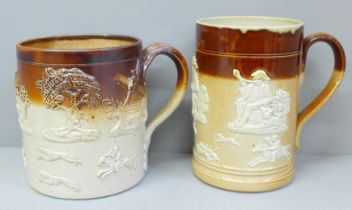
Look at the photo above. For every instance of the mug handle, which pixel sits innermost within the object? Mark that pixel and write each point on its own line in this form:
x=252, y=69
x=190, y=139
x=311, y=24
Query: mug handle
x=334, y=82
x=148, y=55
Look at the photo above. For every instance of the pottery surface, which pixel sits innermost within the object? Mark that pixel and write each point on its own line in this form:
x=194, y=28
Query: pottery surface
x=82, y=107
x=247, y=72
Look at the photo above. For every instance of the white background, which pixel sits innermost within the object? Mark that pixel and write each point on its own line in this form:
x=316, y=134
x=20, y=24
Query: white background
x=174, y=22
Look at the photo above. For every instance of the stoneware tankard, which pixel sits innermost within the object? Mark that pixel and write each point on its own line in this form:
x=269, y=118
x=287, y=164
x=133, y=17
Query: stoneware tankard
x=247, y=73
x=81, y=102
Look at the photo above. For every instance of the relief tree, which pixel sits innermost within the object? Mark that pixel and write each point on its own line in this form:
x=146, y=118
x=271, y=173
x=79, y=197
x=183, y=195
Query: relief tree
x=22, y=106
x=69, y=90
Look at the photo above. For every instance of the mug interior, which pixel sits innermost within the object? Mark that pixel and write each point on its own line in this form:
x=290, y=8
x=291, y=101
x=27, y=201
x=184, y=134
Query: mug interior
x=79, y=42
x=245, y=23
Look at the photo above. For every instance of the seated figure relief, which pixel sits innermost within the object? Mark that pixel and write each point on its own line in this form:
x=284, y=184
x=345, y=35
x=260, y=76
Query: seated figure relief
x=259, y=110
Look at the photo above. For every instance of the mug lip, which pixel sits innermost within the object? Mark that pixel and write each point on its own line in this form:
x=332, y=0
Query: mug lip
x=22, y=45
x=118, y=53
x=296, y=24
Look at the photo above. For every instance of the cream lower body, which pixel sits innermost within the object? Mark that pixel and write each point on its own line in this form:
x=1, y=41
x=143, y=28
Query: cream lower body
x=88, y=160
x=237, y=158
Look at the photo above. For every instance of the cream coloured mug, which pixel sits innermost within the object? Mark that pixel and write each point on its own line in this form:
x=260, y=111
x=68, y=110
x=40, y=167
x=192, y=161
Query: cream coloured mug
x=247, y=73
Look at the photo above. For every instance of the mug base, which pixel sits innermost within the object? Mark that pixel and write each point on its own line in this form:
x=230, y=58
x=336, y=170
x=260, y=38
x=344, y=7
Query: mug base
x=92, y=194
x=233, y=183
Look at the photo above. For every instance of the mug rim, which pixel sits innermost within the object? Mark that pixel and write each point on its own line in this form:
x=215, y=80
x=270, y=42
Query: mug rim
x=295, y=23
x=24, y=44
x=118, y=53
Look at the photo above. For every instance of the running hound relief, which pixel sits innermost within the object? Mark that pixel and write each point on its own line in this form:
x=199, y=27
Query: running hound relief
x=52, y=180
x=200, y=98
x=259, y=110
x=47, y=155
x=219, y=138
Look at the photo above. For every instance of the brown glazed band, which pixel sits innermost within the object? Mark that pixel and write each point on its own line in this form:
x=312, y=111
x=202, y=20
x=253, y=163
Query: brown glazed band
x=222, y=48
x=219, y=65
x=227, y=40
x=224, y=54
x=106, y=63
x=26, y=53
x=114, y=61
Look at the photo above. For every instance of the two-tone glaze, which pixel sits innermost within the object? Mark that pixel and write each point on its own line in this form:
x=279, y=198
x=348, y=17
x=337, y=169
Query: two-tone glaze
x=251, y=70
x=82, y=109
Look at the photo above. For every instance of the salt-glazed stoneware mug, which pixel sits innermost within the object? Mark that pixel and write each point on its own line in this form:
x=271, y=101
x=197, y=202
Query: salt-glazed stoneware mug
x=81, y=102
x=247, y=73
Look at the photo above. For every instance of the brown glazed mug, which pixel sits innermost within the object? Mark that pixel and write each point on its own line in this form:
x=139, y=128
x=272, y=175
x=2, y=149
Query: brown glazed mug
x=81, y=102
x=247, y=73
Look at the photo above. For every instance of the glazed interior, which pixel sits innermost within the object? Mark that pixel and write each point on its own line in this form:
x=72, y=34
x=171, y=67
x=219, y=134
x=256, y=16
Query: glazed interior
x=79, y=49
x=69, y=43
x=251, y=22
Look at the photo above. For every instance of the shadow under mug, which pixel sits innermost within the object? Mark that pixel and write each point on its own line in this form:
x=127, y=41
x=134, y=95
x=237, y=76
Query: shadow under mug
x=247, y=73
x=81, y=102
